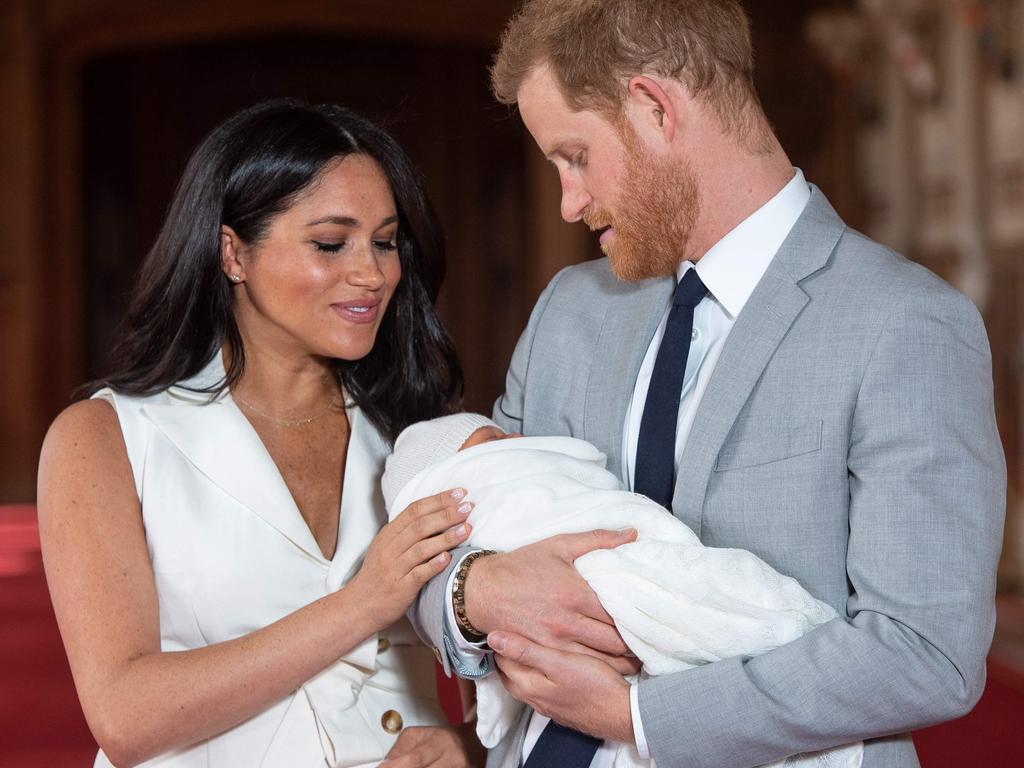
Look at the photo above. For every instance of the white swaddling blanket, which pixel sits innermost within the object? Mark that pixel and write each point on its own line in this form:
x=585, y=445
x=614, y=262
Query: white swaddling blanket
x=676, y=603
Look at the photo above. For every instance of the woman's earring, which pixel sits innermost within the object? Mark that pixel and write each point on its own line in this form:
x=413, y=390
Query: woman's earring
x=236, y=279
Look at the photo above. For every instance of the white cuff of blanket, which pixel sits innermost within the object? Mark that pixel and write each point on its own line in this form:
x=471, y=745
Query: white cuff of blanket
x=462, y=645
x=638, y=726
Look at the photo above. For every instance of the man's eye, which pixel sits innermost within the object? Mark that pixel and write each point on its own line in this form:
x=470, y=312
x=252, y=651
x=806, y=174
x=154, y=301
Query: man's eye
x=328, y=247
x=579, y=160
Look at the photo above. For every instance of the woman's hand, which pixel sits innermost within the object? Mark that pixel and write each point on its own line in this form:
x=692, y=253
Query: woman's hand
x=139, y=701
x=408, y=552
x=437, y=747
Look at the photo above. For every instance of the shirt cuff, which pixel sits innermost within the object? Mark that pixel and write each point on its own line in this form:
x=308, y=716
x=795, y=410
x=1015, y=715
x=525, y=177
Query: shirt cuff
x=468, y=658
x=638, y=726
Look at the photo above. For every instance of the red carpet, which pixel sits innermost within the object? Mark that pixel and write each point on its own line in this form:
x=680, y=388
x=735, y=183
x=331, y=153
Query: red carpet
x=41, y=724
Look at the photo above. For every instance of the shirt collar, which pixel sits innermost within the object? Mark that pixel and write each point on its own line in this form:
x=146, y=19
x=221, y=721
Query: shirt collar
x=734, y=266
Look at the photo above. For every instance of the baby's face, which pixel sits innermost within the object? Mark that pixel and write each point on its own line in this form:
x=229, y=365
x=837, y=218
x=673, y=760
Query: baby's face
x=486, y=435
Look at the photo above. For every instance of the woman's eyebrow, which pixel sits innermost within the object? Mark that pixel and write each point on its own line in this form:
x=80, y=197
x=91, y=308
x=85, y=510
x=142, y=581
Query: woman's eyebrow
x=346, y=221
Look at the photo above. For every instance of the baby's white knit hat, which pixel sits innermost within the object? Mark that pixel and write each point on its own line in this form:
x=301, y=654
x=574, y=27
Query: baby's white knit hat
x=426, y=443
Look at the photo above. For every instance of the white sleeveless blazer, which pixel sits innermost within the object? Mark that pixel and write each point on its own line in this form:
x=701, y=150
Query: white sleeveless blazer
x=231, y=554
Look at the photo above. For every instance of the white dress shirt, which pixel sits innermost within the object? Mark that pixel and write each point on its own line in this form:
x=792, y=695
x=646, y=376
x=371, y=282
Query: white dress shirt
x=731, y=270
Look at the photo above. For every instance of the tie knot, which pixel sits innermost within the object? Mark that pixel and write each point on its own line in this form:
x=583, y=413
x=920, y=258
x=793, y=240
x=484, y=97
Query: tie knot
x=690, y=290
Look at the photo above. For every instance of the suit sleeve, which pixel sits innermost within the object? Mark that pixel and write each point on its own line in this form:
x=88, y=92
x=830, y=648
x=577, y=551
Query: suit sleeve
x=428, y=611
x=510, y=408
x=927, y=483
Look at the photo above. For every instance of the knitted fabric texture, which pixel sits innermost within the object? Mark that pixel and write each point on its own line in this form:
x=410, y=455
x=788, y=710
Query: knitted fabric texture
x=424, y=444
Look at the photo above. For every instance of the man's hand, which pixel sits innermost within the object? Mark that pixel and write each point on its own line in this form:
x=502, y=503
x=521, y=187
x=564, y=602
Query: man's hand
x=536, y=592
x=573, y=689
x=438, y=747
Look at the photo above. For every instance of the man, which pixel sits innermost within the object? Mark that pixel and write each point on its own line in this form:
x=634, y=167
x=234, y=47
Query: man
x=783, y=384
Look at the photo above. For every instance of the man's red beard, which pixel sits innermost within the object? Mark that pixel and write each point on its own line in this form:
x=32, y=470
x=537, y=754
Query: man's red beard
x=654, y=215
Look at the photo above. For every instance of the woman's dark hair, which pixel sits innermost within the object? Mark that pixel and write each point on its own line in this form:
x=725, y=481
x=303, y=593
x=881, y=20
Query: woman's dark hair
x=245, y=172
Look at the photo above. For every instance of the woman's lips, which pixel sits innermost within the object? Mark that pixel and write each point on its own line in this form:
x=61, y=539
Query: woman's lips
x=357, y=311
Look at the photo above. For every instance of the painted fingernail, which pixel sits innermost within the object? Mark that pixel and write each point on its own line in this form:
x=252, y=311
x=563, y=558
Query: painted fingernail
x=465, y=508
x=497, y=641
x=460, y=531
x=442, y=558
x=458, y=493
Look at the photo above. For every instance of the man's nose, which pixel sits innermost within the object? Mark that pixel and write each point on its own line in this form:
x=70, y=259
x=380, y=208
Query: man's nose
x=575, y=201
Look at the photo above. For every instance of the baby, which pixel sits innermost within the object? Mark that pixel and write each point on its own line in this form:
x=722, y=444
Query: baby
x=676, y=603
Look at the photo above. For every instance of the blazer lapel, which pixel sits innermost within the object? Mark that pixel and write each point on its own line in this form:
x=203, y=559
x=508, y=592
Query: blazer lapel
x=630, y=322
x=768, y=315
x=362, y=504
x=220, y=443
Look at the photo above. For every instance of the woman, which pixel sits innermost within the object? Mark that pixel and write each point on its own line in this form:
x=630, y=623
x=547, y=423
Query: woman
x=208, y=518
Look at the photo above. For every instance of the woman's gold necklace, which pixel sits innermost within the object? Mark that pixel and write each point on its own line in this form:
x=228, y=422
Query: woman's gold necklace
x=290, y=423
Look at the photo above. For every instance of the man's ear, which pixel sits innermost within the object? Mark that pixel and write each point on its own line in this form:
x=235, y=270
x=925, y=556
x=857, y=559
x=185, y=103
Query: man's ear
x=231, y=254
x=653, y=107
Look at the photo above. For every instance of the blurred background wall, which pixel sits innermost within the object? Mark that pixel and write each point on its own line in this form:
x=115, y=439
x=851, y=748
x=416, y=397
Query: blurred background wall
x=908, y=113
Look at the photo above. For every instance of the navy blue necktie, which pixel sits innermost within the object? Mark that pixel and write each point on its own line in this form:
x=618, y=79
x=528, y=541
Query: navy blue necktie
x=558, y=746
x=654, y=475
x=561, y=747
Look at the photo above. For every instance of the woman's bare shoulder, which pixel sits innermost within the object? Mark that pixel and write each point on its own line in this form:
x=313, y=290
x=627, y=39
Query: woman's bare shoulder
x=84, y=455
x=85, y=424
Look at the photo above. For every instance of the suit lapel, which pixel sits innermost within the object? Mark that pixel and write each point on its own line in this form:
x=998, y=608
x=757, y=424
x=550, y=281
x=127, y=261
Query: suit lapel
x=761, y=326
x=220, y=444
x=630, y=322
x=362, y=505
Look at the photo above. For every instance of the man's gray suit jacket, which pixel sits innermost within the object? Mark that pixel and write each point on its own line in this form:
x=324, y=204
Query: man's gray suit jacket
x=847, y=437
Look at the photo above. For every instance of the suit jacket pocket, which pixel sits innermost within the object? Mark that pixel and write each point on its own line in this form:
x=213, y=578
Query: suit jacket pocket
x=757, y=441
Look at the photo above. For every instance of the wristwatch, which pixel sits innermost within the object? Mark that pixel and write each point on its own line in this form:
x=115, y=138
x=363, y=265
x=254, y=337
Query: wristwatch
x=470, y=632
